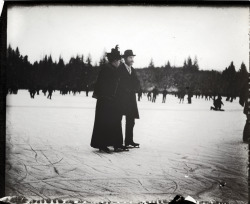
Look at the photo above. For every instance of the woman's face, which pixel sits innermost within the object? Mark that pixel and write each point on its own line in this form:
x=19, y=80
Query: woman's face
x=116, y=63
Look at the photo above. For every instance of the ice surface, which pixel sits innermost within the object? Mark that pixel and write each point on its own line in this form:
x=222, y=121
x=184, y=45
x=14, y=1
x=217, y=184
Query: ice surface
x=185, y=149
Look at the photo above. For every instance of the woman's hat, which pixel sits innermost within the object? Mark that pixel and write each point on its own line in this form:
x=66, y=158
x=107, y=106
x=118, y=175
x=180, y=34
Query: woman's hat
x=114, y=54
x=128, y=53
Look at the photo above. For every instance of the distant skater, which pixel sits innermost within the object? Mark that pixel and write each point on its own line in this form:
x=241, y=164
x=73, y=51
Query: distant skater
x=32, y=92
x=87, y=90
x=139, y=94
x=206, y=97
x=190, y=95
x=164, y=95
x=44, y=91
x=217, y=104
x=155, y=93
x=181, y=96
x=50, y=90
x=149, y=96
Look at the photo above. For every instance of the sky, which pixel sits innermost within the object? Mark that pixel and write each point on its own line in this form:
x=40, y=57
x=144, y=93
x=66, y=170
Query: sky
x=1, y=5
x=215, y=35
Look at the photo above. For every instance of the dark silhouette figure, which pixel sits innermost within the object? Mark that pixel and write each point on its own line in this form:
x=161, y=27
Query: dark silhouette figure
x=230, y=97
x=246, y=131
x=50, y=91
x=206, y=97
x=244, y=97
x=149, y=96
x=44, y=90
x=210, y=96
x=87, y=90
x=190, y=95
x=139, y=94
x=32, y=92
x=64, y=90
x=37, y=90
x=217, y=104
x=155, y=93
x=182, y=94
x=164, y=95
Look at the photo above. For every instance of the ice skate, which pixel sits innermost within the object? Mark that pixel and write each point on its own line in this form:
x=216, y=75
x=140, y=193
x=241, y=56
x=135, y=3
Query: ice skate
x=120, y=149
x=132, y=145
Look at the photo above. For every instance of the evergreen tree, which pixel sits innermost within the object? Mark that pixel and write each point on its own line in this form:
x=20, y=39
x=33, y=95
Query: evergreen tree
x=151, y=64
x=185, y=64
x=168, y=65
x=243, y=69
x=89, y=60
x=189, y=62
x=195, y=65
x=17, y=52
x=103, y=60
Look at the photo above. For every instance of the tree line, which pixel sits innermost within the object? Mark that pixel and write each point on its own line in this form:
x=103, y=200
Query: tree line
x=79, y=75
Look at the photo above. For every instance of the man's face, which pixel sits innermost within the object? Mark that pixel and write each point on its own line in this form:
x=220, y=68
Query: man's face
x=129, y=60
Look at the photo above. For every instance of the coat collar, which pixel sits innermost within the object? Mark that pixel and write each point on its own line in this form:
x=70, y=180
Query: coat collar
x=127, y=65
x=125, y=69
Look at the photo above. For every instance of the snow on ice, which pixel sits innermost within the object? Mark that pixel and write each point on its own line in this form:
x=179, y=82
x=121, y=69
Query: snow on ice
x=185, y=149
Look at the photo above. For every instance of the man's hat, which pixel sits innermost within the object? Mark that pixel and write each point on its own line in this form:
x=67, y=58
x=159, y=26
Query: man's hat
x=128, y=53
x=114, y=54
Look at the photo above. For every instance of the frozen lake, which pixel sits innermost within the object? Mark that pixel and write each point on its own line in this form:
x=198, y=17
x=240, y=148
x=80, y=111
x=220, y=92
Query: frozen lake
x=185, y=149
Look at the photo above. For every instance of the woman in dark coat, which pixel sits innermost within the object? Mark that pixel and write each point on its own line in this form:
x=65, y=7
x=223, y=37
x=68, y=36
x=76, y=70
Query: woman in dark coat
x=107, y=129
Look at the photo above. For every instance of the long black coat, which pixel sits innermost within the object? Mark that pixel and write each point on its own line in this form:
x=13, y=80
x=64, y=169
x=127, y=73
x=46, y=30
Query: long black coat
x=126, y=92
x=107, y=129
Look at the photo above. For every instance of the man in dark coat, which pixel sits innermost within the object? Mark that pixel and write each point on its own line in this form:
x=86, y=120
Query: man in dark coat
x=107, y=130
x=127, y=88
